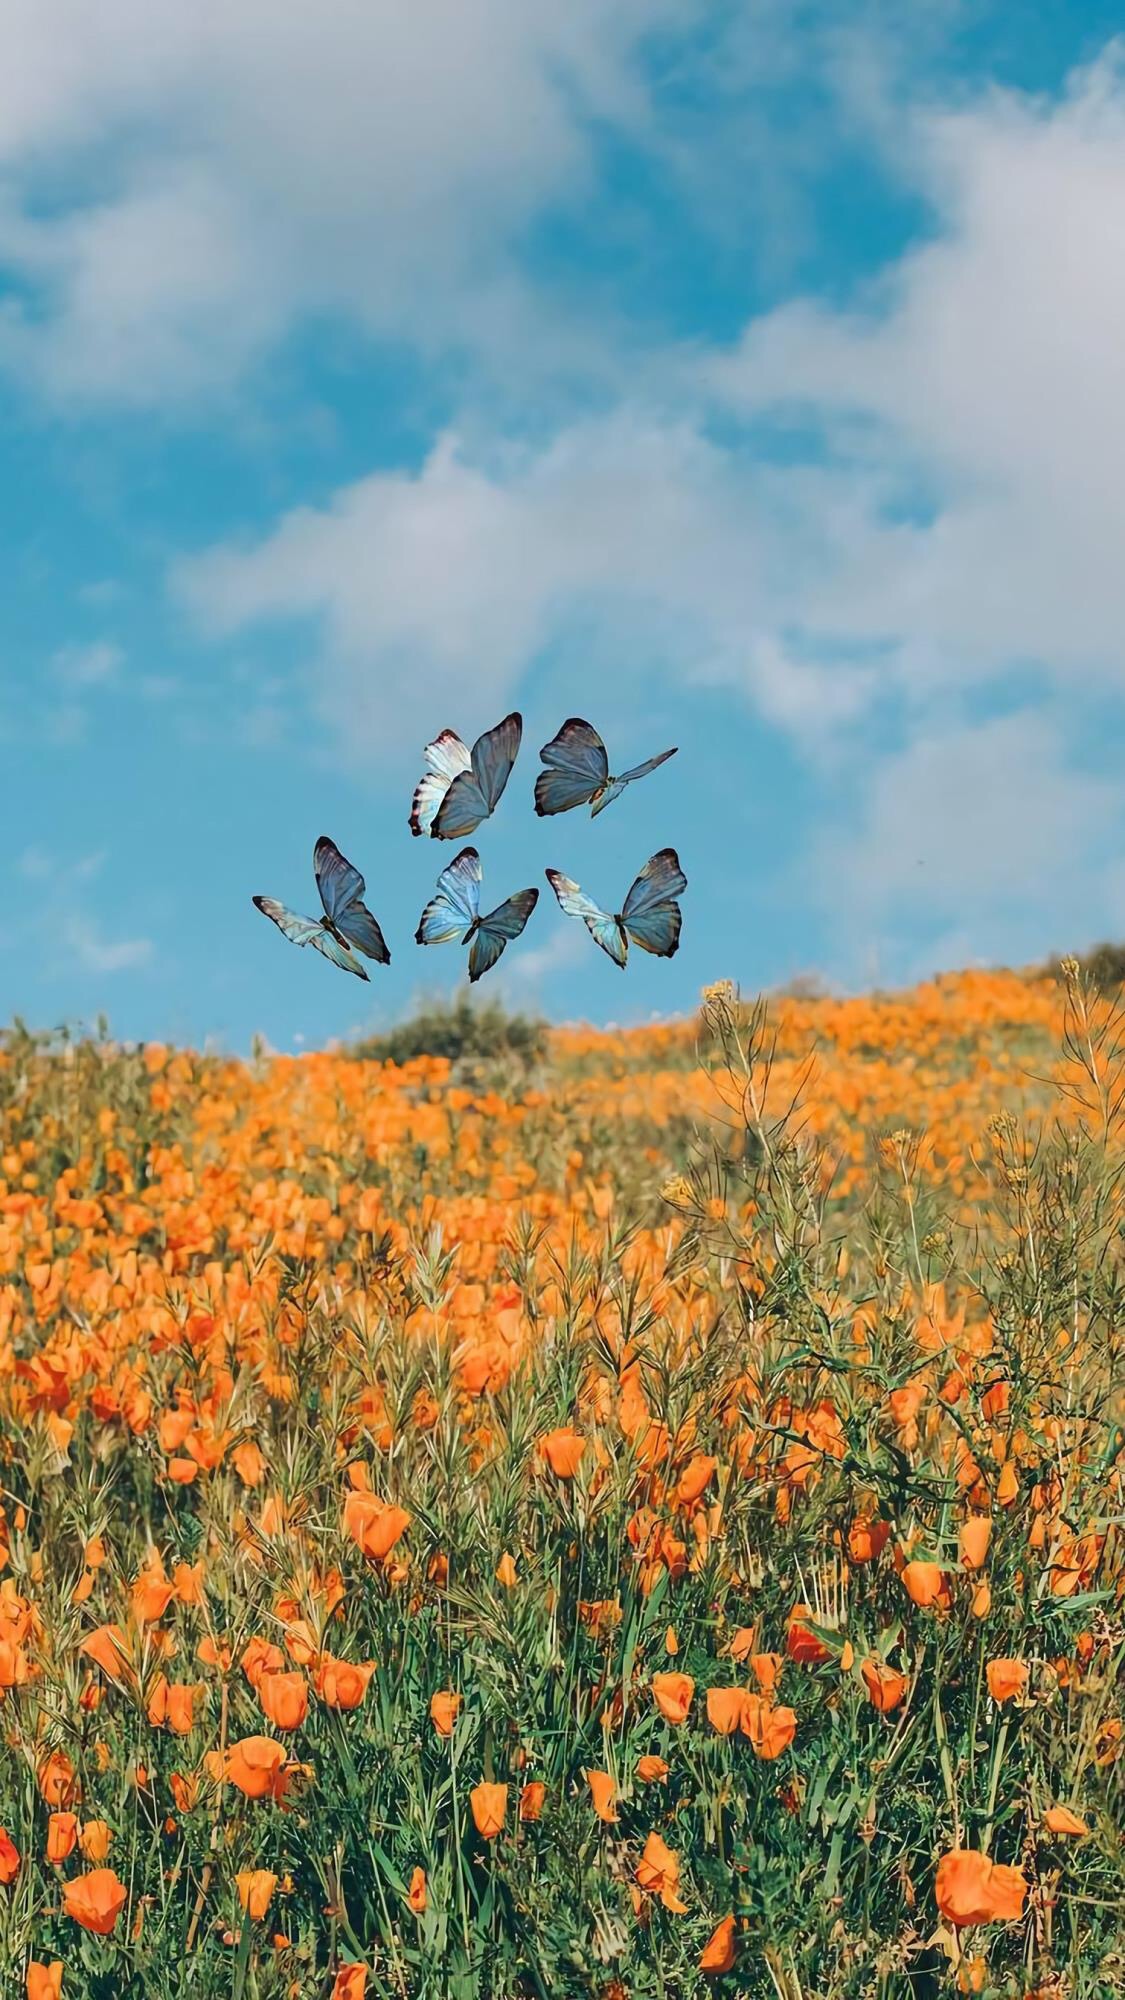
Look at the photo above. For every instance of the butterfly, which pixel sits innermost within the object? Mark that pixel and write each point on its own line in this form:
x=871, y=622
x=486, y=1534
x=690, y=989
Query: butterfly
x=461, y=787
x=346, y=920
x=650, y=915
x=455, y=913
x=577, y=772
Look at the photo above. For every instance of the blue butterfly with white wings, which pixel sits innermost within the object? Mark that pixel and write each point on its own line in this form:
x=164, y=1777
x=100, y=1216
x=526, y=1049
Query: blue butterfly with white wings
x=346, y=921
x=650, y=914
x=455, y=913
x=462, y=787
x=577, y=772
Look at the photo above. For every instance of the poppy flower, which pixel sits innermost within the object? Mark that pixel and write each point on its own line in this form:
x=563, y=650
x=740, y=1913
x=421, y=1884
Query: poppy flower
x=284, y=1699
x=926, y=1585
x=350, y=1983
x=343, y=1683
x=185, y=1791
x=172, y=1704
x=62, y=1834
x=506, y=1575
x=44, y=1982
x=651, y=1770
x=255, y=1891
x=489, y=1805
x=718, y=1952
x=94, y=1838
x=695, y=1479
x=416, y=1896
x=971, y=1889
x=9, y=1858
x=1006, y=1679
x=563, y=1450
x=261, y=1657
x=107, y=1646
x=771, y=1730
x=724, y=1709
x=801, y=1644
x=256, y=1765
x=57, y=1781
x=867, y=1539
x=603, y=1791
x=886, y=1689
x=95, y=1900
x=373, y=1525
x=445, y=1707
x=673, y=1694
x=1060, y=1820
x=658, y=1872
x=973, y=1540
x=531, y=1799
x=766, y=1669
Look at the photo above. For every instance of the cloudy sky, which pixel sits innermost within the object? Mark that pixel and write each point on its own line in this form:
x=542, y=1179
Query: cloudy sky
x=749, y=377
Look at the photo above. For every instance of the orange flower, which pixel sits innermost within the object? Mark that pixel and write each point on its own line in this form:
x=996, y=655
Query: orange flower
x=971, y=1889
x=973, y=1540
x=766, y=1669
x=94, y=1839
x=724, y=1709
x=416, y=1896
x=350, y=1983
x=673, y=1694
x=1006, y=1679
x=771, y=1730
x=718, y=1952
x=603, y=1791
x=256, y=1765
x=658, y=1872
x=255, y=1891
x=284, y=1699
x=343, y=1683
x=489, y=1807
x=926, y=1586
x=801, y=1644
x=185, y=1791
x=373, y=1525
x=506, y=1572
x=867, y=1539
x=152, y=1594
x=651, y=1770
x=9, y=1858
x=44, y=1982
x=171, y=1703
x=531, y=1799
x=95, y=1900
x=62, y=1833
x=445, y=1707
x=695, y=1479
x=261, y=1657
x=563, y=1451
x=57, y=1781
x=1060, y=1820
x=886, y=1689
x=107, y=1647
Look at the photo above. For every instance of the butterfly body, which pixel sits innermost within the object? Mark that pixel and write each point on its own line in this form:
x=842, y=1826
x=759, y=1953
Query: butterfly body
x=577, y=771
x=650, y=916
x=347, y=925
x=454, y=912
x=462, y=787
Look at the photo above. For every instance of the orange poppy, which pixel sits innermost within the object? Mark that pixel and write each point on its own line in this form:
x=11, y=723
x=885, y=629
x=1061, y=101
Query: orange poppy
x=603, y=1791
x=886, y=1689
x=373, y=1525
x=284, y=1699
x=343, y=1683
x=1007, y=1679
x=801, y=1644
x=445, y=1707
x=350, y=1983
x=57, y=1781
x=489, y=1805
x=563, y=1450
x=94, y=1839
x=255, y=1890
x=673, y=1694
x=107, y=1646
x=971, y=1889
x=724, y=1709
x=62, y=1834
x=926, y=1585
x=416, y=1896
x=973, y=1540
x=256, y=1766
x=9, y=1858
x=771, y=1730
x=44, y=1982
x=658, y=1872
x=1060, y=1820
x=95, y=1900
x=718, y=1952
x=531, y=1799
x=651, y=1770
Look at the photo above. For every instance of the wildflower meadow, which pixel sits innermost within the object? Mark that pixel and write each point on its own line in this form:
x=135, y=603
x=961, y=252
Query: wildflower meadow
x=626, y=1514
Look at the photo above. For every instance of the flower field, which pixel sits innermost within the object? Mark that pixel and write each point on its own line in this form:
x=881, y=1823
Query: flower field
x=645, y=1522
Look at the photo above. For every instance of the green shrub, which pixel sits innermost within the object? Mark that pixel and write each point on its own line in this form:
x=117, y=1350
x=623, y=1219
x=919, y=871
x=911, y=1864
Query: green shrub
x=464, y=1032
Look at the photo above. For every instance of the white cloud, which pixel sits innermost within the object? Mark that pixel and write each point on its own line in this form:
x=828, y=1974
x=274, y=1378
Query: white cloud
x=241, y=167
x=88, y=666
x=83, y=939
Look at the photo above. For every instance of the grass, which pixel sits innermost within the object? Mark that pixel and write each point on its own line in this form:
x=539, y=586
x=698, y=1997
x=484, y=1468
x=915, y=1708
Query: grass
x=727, y=1416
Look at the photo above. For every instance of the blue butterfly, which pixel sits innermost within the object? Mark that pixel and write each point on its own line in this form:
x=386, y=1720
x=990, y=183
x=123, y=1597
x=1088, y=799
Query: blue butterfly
x=650, y=915
x=577, y=772
x=455, y=913
x=461, y=787
x=346, y=920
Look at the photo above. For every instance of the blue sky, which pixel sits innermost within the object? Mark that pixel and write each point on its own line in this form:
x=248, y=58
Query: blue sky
x=746, y=377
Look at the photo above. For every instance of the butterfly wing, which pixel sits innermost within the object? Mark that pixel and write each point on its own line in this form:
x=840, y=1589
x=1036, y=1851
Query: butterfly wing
x=576, y=768
x=476, y=793
x=651, y=914
x=642, y=770
x=339, y=883
x=604, y=929
x=455, y=907
x=499, y=929
x=309, y=930
x=446, y=758
x=357, y=924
